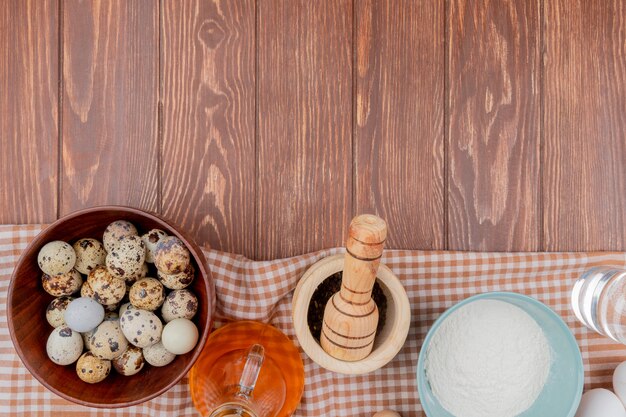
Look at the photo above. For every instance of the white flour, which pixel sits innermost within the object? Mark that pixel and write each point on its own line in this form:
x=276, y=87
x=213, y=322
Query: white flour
x=489, y=358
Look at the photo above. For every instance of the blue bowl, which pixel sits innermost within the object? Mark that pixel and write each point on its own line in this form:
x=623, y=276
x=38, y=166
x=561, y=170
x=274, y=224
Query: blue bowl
x=564, y=387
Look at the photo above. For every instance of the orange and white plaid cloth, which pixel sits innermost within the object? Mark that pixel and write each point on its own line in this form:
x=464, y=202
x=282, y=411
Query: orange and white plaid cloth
x=262, y=291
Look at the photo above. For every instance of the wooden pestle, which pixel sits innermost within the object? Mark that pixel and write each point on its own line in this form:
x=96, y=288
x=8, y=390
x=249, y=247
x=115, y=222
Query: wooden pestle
x=351, y=316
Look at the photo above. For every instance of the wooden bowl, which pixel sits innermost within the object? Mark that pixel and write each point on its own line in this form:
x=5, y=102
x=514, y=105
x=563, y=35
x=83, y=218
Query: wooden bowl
x=27, y=302
x=388, y=341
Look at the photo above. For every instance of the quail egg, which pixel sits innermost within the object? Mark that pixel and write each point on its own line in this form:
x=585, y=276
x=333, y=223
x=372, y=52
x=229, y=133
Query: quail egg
x=180, y=336
x=127, y=259
x=112, y=308
x=89, y=254
x=56, y=258
x=142, y=328
x=111, y=316
x=86, y=290
x=115, y=231
x=157, y=355
x=131, y=279
x=171, y=255
x=64, y=345
x=64, y=284
x=151, y=239
x=142, y=273
x=87, y=338
x=124, y=307
x=84, y=314
x=179, y=304
x=108, y=341
x=147, y=294
x=178, y=281
x=106, y=288
x=92, y=369
x=56, y=309
x=130, y=362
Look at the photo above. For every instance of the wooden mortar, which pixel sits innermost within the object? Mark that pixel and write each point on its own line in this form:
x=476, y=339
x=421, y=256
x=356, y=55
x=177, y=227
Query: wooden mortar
x=389, y=339
x=351, y=315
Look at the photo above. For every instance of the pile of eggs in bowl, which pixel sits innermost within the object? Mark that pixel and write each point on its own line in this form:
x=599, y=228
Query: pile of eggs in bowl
x=123, y=319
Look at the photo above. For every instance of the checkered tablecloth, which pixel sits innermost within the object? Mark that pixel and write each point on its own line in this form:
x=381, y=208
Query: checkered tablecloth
x=262, y=291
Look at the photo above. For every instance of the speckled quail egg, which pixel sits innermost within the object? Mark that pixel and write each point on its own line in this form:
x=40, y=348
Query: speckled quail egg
x=89, y=254
x=157, y=355
x=147, y=294
x=108, y=341
x=106, y=288
x=130, y=362
x=86, y=290
x=87, y=338
x=143, y=272
x=127, y=259
x=56, y=309
x=171, y=255
x=92, y=369
x=84, y=314
x=178, y=281
x=131, y=279
x=151, y=239
x=124, y=307
x=180, y=336
x=115, y=231
x=56, y=258
x=179, y=304
x=60, y=285
x=112, y=308
x=142, y=328
x=111, y=316
x=64, y=345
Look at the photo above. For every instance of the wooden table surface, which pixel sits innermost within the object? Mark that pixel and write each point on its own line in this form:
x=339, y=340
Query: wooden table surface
x=262, y=127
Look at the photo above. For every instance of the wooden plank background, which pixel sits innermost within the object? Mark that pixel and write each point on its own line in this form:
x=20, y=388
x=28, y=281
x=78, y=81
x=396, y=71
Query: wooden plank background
x=262, y=126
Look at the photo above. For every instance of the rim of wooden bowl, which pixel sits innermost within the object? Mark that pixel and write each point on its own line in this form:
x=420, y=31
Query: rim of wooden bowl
x=395, y=331
x=196, y=253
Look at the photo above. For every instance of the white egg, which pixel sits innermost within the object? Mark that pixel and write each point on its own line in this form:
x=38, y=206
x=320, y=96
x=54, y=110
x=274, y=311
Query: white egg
x=84, y=314
x=600, y=402
x=179, y=336
x=619, y=382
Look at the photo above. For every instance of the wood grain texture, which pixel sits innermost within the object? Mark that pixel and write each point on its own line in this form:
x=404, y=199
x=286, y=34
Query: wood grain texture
x=304, y=125
x=110, y=97
x=208, y=111
x=494, y=125
x=584, y=159
x=276, y=131
x=28, y=111
x=399, y=119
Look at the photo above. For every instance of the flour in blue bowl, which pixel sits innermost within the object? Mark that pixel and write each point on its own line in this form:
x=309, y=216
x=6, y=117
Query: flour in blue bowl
x=488, y=358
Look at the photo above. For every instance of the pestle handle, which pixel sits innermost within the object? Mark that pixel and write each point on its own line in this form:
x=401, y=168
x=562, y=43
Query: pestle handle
x=351, y=316
x=364, y=248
